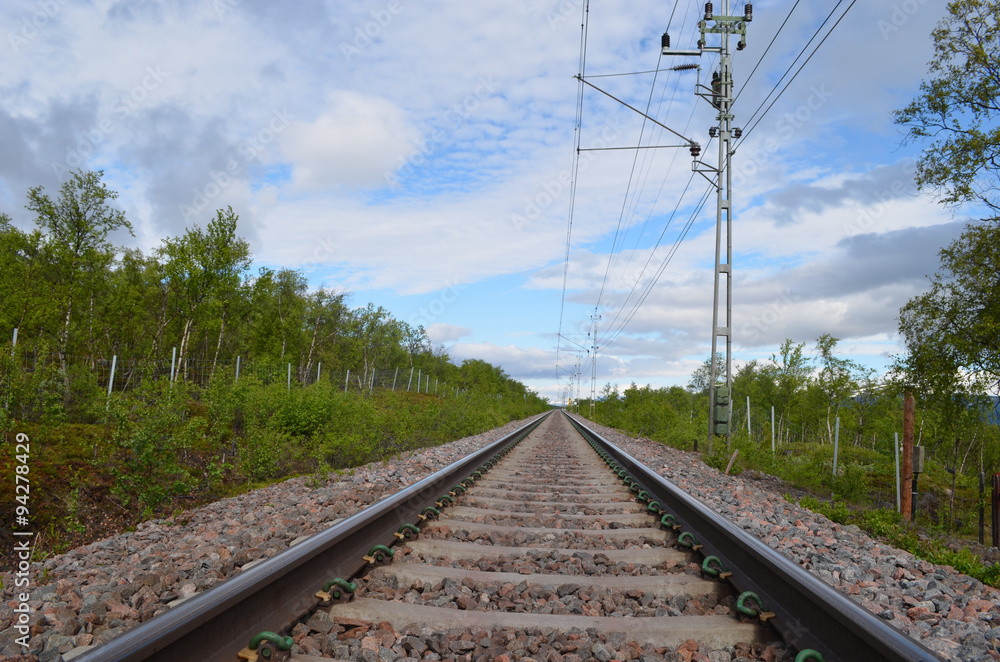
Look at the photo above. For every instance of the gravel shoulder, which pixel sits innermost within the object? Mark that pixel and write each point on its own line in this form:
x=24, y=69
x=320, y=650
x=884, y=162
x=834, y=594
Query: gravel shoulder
x=96, y=592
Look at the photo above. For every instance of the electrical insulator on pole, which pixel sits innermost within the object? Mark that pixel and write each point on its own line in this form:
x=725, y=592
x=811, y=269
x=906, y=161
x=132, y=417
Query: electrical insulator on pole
x=720, y=95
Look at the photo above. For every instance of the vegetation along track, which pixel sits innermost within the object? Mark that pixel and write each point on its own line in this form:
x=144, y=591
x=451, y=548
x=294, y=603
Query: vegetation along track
x=549, y=544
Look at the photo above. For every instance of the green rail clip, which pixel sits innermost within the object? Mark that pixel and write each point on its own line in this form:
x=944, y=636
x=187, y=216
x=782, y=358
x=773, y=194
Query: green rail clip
x=267, y=646
x=713, y=567
x=642, y=496
x=407, y=531
x=758, y=610
x=669, y=520
x=809, y=655
x=444, y=499
x=336, y=590
x=688, y=540
x=378, y=555
x=654, y=507
x=430, y=512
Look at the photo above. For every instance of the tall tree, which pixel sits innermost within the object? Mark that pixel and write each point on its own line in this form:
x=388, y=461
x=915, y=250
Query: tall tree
x=958, y=107
x=26, y=294
x=954, y=326
x=204, y=268
x=76, y=228
x=836, y=377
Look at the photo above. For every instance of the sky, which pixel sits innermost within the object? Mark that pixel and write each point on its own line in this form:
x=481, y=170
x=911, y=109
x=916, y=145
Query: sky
x=420, y=156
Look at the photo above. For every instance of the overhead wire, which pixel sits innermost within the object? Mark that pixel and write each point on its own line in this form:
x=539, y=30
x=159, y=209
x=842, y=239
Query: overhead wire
x=628, y=212
x=799, y=70
x=610, y=340
x=766, y=50
x=614, y=333
x=578, y=129
x=628, y=188
x=647, y=168
x=797, y=57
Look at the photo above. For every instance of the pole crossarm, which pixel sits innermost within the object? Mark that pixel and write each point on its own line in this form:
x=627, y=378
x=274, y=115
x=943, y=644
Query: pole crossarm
x=633, y=108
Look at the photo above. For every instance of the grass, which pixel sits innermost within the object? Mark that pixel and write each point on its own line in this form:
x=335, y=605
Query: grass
x=858, y=495
x=159, y=452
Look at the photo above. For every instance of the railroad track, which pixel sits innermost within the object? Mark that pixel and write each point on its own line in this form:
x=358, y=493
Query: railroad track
x=549, y=542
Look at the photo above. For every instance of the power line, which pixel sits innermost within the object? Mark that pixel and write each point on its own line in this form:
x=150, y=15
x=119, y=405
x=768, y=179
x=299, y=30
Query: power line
x=754, y=126
x=643, y=169
x=628, y=187
x=796, y=59
x=766, y=50
x=609, y=340
x=576, y=174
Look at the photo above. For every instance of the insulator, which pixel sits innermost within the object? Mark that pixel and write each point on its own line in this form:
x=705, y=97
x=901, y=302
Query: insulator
x=708, y=11
x=737, y=133
x=748, y=12
x=713, y=131
x=695, y=149
x=740, y=45
x=665, y=40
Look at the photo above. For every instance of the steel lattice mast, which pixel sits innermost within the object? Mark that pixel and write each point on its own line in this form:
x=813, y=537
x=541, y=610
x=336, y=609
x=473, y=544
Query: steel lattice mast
x=720, y=95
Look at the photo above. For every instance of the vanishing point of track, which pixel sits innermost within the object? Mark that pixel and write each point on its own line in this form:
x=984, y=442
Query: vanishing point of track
x=549, y=529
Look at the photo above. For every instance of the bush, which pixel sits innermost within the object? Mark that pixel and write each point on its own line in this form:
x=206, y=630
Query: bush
x=144, y=431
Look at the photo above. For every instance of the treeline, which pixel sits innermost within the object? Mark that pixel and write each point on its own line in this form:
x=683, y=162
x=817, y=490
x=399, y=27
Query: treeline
x=74, y=295
x=808, y=392
x=104, y=458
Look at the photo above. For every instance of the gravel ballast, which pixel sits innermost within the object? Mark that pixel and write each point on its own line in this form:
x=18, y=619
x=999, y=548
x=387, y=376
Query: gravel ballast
x=954, y=615
x=96, y=592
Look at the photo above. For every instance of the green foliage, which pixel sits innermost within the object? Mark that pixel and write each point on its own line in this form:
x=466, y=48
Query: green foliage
x=958, y=107
x=950, y=330
x=143, y=444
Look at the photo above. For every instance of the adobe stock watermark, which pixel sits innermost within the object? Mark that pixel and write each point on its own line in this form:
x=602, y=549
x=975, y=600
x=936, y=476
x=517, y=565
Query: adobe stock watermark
x=322, y=253
x=899, y=16
x=869, y=215
x=247, y=150
x=564, y=11
x=225, y=7
x=787, y=126
x=367, y=32
x=454, y=118
x=767, y=317
x=129, y=102
x=552, y=190
x=427, y=315
x=31, y=25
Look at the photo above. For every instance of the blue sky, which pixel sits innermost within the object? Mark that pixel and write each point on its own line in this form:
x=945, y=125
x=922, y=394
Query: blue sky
x=418, y=154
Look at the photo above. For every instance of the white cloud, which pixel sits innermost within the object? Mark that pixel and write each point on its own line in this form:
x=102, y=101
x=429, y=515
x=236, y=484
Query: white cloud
x=357, y=142
x=439, y=333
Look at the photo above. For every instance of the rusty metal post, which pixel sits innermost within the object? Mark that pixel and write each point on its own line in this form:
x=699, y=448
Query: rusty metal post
x=907, y=471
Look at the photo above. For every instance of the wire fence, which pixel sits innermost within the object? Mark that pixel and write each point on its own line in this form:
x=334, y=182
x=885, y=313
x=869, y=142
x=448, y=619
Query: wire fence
x=35, y=384
x=859, y=468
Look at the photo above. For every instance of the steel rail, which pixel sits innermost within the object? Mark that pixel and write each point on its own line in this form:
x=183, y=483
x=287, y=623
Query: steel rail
x=809, y=613
x=273, y=595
